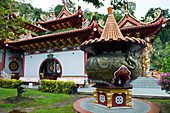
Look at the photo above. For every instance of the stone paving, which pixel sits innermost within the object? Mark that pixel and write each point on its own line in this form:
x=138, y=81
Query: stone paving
x=142, y=87
x=96, y=108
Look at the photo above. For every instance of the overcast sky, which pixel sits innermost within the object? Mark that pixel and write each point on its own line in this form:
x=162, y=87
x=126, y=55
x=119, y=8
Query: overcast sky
x=142, y=6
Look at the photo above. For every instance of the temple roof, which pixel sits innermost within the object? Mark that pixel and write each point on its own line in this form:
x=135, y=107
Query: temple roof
x=77, y=35
x=111, y=33
x=65, y=20
x=64, y=13
x=33, y=28
x=26, y=26
x=130, y=26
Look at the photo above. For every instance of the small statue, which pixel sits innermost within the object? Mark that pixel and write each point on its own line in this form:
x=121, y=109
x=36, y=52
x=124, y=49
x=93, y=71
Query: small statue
x=20, y=90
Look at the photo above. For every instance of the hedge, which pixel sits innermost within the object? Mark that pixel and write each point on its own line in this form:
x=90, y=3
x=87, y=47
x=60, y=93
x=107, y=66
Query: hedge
x=9, y=83
x=55, y=86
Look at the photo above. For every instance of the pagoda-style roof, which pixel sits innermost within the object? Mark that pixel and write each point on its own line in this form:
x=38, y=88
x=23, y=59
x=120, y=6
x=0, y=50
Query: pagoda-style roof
x=130, y=26
x=64, y=21
x=56, y=40
x=33, y=28
x=64, y=12
x=111, y=39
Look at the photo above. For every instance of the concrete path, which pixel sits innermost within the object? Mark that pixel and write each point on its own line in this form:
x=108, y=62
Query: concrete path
x=136, y=92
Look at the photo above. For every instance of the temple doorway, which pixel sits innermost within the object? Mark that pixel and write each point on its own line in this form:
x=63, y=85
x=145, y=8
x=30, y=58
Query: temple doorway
x=51, y=69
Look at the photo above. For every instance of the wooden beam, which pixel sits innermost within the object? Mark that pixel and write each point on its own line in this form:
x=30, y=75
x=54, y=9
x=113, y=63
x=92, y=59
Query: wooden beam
x=69, y=24
x=71, y=41
x=79, y=40
x=54, y=27
x=39, y=46
x=58, y=25
x=63, y=24
x=57, y=43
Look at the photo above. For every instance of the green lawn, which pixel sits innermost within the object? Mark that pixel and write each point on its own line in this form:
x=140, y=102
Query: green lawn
x=163, y=104
x=44, y=100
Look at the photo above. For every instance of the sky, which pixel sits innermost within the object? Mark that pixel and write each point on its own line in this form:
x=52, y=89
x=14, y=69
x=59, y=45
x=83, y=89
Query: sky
x=142, y=6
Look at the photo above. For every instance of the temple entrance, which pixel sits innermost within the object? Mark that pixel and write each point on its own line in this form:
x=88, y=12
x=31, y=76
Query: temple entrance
x=51, y=69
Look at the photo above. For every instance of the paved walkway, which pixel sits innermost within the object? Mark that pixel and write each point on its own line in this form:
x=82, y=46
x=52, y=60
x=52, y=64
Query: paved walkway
x=86, y=105
x=143, y=87
x=136, y=92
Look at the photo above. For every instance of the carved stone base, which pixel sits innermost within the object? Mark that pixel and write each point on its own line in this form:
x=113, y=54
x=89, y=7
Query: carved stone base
x=113, y=96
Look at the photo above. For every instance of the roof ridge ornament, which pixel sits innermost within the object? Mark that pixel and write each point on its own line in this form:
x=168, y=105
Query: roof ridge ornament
x=126, y=7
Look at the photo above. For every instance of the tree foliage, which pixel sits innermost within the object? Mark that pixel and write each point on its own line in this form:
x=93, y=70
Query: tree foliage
x=132, y=8
x=96, y=3
x=117, y=4
x=164, y=34
x=162, y=58
x=27, y=8
x=8, y=23
x=57, y=9
x=118, y=14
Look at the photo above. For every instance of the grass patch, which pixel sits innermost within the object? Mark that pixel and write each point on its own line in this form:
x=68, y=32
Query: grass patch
x=163, y=104
x=40, y=98
x=66, y=109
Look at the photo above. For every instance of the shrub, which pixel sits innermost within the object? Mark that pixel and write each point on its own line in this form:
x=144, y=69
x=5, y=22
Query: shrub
x=164, y=82
x=56, y=86
x=9, y=83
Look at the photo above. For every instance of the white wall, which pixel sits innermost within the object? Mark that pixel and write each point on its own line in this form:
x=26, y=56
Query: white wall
x=72, y=63
x=9, y=54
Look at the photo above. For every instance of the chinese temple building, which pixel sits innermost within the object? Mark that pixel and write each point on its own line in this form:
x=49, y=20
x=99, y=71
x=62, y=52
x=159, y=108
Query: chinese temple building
x=51, y=49
x=147, y=30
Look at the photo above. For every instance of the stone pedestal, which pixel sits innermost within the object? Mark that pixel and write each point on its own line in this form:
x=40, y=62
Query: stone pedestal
x=112, y=96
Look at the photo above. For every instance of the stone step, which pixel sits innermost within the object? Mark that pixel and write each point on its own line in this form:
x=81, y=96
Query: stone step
x=145, y=82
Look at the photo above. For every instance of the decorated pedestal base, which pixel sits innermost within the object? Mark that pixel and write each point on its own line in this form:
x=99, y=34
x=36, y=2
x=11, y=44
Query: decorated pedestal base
x=112, y=96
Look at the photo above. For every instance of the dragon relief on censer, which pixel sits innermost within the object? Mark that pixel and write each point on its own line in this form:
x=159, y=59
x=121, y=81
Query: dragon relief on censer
x=102, y=67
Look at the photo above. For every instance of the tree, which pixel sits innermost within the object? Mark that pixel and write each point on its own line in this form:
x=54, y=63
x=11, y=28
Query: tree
x=117, y=4
x=8, y=22
x=57, y=9
x=165, y=12
x=118, y=14
x=162, y=60
x=161, y=44
x=164, y=33
x=27, y=8
x=132, y=7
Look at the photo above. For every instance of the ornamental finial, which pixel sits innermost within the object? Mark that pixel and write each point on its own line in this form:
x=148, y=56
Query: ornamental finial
x=126, y=6
x=109, y=10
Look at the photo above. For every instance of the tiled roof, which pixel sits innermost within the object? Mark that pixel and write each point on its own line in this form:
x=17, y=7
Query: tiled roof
x=112, y=32
x=59, y=19
x=53, y=35
x=125, y=39
x=39, y=28
x=160, y=21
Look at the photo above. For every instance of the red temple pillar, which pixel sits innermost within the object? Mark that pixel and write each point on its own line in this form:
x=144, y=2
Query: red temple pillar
x=3, y=58
x=23, y=64
x=85, y=60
